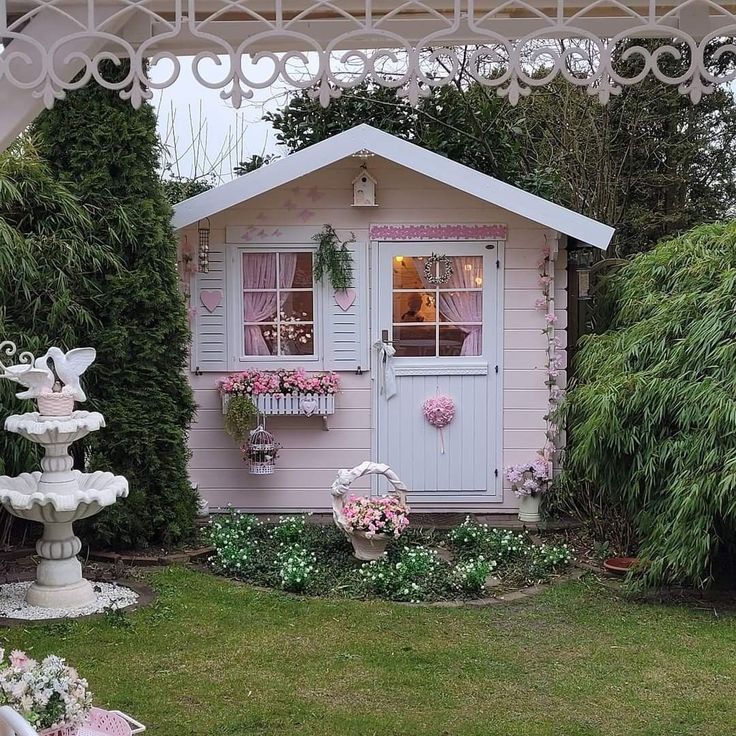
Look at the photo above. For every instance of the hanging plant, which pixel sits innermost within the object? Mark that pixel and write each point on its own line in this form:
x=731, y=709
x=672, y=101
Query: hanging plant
x=333, y=258
x=240, y=416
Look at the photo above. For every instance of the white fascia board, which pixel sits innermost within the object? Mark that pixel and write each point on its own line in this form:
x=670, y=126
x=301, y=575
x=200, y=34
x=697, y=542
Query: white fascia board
x=511, y=198
x=404, y=153
x=268, y=177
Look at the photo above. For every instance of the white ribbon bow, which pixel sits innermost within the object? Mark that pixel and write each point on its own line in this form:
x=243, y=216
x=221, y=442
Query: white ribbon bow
x=386, y=353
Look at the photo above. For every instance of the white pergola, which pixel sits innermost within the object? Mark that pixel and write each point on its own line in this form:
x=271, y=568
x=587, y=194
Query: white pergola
x=329, y=46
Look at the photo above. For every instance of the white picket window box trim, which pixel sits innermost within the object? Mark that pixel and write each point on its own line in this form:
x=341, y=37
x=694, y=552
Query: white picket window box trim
x=291, y=405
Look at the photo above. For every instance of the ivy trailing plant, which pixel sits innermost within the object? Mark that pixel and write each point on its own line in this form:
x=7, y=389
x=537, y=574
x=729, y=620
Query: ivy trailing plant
x=333, y=258
x=240, y=416
x=653, y=413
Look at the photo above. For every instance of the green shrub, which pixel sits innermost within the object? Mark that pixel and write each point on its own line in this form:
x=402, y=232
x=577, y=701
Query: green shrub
x=653, y=412
x=106, y=153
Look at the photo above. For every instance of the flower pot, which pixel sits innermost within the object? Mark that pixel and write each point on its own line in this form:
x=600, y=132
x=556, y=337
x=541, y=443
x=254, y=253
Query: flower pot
x=529, y=508
x=55, y=405
x=368, y=548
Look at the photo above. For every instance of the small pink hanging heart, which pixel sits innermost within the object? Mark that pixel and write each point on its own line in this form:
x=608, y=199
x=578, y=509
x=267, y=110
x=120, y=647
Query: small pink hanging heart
x=345, y=299
x=308, y=406
x=210, y=299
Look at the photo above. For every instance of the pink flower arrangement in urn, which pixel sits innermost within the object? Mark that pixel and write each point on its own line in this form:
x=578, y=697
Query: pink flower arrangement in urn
x=379, y=515
x=529, y=481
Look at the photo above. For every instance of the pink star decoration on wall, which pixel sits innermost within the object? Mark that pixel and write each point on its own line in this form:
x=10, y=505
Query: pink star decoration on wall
x=306, y=215
x=315, y=194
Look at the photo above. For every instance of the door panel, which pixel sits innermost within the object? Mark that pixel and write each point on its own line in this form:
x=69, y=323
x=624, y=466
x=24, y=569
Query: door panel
x=441, y=349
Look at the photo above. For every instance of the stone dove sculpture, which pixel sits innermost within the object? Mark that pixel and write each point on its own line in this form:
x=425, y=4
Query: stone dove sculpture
x=37, y=380
x=69, y=367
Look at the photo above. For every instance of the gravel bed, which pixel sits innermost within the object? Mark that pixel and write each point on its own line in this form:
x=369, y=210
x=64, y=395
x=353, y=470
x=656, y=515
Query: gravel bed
x=109, y=596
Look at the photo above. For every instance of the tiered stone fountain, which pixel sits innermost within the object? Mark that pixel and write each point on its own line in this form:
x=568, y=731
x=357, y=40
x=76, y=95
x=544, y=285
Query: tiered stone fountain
x=57, y=496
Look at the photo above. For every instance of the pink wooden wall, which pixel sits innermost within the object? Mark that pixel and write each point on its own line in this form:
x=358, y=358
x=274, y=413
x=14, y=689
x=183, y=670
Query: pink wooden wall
x=310, y=456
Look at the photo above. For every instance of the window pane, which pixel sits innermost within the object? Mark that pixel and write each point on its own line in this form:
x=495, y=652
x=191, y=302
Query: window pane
x=260, y=340
x=297, y=305
x=297, y=339
x=415, y=341
x=461, y=306
x=458, y=340
x=414, y=306
x=467, y=273
x=296, y=270
x=259, y=306
x=259, y=270
x=406, y=270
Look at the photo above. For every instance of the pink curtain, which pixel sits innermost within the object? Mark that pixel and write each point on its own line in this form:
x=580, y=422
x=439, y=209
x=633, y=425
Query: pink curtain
x=463, y=306
x=259, y=272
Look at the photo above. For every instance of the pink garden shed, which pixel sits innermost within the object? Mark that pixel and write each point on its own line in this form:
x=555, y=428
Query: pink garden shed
x=458, y=289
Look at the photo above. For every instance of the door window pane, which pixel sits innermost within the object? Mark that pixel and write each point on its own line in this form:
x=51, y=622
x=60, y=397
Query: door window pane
x=461, y=306
x=415, y=341
x=414, y=306
x=457, y=340
x=467, y=273
x=407, y=272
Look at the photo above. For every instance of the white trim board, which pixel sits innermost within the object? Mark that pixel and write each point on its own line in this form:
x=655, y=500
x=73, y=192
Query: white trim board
x=409, y=155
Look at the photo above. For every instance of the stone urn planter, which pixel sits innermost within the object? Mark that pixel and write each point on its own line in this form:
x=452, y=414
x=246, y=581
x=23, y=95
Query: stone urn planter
x=367, y=546
x=529, y=508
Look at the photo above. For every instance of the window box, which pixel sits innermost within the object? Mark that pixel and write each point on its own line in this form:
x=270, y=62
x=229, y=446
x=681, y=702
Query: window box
x=305, y=405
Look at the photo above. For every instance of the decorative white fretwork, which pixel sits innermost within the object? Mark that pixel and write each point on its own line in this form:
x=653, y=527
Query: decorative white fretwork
x=326, y=46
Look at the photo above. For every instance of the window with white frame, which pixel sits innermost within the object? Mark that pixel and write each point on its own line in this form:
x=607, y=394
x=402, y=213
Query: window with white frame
x=278, y=303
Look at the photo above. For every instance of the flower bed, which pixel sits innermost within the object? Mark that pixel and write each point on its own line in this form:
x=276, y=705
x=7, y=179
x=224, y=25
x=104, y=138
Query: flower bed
x=469, y=561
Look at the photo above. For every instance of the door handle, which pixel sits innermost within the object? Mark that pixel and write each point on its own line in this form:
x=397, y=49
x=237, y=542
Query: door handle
x=385, y=338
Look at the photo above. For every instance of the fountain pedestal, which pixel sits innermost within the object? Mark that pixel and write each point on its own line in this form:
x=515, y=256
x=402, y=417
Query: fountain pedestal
x=57, y=497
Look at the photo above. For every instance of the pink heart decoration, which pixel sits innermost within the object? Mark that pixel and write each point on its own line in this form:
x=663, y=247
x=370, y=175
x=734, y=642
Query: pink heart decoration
x=308, y=406
x=210, y=299
x=345, y=299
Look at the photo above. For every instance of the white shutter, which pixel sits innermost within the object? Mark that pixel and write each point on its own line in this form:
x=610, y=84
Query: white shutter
x=209, y=348
x=346, y=341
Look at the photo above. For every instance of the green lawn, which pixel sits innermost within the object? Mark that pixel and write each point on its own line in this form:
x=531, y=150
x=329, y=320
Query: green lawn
x=213, y=658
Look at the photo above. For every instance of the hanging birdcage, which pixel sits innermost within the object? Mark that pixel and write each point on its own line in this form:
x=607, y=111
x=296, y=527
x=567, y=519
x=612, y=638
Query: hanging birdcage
x=261, y=451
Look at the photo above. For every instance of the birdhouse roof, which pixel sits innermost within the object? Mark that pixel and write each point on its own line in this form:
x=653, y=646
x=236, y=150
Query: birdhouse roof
x=403, y=153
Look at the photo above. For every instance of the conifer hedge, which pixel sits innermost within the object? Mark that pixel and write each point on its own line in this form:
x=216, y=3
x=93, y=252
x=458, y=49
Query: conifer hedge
x=653, y=412
x=107, y=153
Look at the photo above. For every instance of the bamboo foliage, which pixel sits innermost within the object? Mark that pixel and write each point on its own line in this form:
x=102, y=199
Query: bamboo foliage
x=653, y=409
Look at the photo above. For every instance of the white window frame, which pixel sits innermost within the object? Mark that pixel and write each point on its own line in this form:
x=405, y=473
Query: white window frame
x=239, y=361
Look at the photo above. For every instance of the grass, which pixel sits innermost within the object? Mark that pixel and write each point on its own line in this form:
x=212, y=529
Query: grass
x=215, y=658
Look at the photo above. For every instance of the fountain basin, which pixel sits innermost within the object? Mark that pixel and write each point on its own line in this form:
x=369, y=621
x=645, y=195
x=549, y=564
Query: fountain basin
x=45, y=430
x=93, y=491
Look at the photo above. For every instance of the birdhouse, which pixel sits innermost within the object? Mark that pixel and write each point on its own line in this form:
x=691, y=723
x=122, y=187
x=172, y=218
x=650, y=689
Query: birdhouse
x=364, y=189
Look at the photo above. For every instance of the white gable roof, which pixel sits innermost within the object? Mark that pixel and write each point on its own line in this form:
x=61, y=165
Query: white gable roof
x=365, y=137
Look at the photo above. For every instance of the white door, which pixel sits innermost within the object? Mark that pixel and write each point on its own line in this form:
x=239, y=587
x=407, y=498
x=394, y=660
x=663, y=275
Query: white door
x=442, y=318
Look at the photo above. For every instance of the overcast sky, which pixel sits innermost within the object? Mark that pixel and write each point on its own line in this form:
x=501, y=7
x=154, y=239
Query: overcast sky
x=227, y=135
